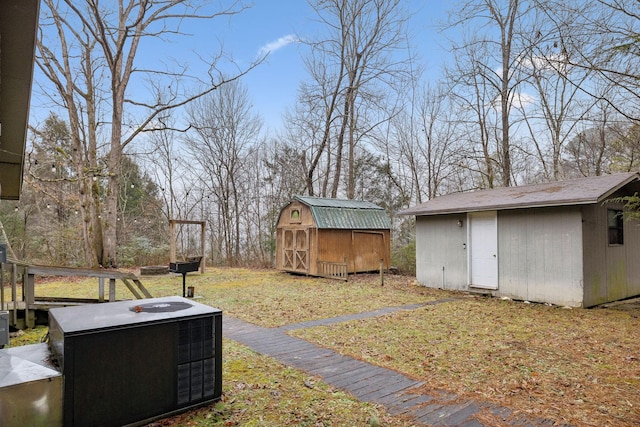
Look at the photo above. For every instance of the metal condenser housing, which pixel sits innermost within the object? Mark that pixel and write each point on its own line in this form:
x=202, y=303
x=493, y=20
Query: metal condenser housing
x=130, y=362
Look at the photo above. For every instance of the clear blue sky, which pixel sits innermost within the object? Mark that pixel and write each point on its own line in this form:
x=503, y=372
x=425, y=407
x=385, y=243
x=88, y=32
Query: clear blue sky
x=272, y=25
x=269, y=25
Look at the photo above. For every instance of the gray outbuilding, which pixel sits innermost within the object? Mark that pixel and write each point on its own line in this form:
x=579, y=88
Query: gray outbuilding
x=562, y=243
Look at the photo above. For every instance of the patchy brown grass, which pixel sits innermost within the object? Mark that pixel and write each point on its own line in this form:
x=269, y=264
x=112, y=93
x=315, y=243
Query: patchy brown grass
x=266, y=297
x=577, y=366
x=258, y=391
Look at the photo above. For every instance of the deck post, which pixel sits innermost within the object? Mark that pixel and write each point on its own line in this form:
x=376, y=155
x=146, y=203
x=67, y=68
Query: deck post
x=28, y=282
x=14, y=292
x=101, y=289
x=112, y=289
x=28, y=289
x=203, y=247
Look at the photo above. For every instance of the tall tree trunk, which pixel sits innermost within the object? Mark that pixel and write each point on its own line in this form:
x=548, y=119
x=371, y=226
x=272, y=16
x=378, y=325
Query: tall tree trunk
x=91, y=84
x=507, y=35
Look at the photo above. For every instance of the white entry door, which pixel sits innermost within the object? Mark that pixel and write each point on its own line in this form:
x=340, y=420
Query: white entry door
x=482, y=244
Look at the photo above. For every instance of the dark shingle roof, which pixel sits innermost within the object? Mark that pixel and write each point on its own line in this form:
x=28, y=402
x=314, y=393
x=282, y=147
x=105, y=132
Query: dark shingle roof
x=346, y=214
x=561, y=193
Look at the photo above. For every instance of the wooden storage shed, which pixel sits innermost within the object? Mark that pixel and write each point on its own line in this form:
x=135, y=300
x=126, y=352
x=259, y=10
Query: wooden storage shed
x=563, y=243
x=332, y=237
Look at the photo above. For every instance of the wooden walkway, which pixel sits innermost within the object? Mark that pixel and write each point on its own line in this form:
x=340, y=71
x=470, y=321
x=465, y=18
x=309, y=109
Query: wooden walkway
x=399, y=394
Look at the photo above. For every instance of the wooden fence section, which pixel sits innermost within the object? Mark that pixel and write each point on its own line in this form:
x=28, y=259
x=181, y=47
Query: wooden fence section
x=333, y=270
x=28, y=302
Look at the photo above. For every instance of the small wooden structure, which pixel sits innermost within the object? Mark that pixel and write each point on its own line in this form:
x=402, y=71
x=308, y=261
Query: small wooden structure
x=332, y=237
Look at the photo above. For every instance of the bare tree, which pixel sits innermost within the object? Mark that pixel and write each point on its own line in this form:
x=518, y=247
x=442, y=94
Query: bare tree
x=549, y=65
x=224, y=131
x=496, y=26
x=424, y=143
x=88, y=52
x=558, y=104
x=169, y=169
x=350, y=67
x=308, y=126
x=283, y=172
x=590, y=152
x=612, y=52
x=474, y=97
x=626, y=148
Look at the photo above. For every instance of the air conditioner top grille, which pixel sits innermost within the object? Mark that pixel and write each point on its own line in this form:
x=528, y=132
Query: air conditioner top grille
x=161, y=307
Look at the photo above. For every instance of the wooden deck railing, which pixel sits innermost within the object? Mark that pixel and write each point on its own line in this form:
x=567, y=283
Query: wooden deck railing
x=28, y=302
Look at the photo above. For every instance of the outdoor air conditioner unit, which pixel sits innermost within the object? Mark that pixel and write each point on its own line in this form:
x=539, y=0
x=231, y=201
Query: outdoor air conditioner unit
x=130, y=362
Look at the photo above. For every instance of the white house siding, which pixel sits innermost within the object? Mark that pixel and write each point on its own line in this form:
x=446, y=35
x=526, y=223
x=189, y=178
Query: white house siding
x=540, y=255
x=441, y=243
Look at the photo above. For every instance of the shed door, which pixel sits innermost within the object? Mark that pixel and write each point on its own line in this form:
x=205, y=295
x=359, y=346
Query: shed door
x=295, y=247
x=482, y=242
x=368, y=250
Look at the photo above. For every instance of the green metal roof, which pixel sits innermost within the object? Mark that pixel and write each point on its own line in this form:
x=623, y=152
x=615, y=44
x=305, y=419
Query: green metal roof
x=346, y=214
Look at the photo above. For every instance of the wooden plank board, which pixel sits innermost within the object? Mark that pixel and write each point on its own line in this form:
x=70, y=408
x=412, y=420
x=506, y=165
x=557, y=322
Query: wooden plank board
x=42, y=270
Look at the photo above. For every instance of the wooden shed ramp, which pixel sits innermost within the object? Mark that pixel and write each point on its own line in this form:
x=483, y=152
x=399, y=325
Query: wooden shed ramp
x=21, y=300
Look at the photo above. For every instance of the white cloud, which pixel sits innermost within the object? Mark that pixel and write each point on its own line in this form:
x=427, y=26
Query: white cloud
x=522, y=100
x=518, y=100
x=277, y=44
x=552, y=62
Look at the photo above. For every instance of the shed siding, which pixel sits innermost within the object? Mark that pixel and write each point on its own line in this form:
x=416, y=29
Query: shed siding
x=333, y=246
x=611, y=272
x=440, y=248
x=632, y=258
x=362, y=250
x=305, y=218
x=302, y=244
x=540, y=255
x=303, y=222
x=595, y=250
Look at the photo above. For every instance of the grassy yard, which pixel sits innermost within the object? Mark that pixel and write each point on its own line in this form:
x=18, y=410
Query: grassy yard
x=576, y=366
